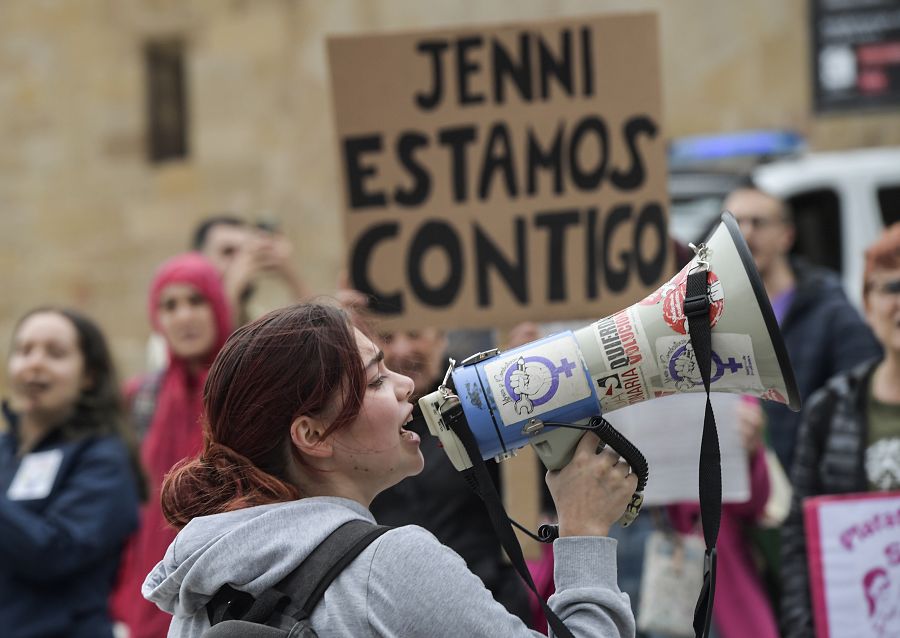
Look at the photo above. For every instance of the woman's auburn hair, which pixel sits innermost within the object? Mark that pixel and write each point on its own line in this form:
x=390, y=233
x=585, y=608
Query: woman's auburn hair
x=294, y=361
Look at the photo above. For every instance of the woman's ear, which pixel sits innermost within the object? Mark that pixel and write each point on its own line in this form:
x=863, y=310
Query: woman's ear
x=308, y=436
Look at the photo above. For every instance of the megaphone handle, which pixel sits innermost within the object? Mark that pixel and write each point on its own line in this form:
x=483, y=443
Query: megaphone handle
x=628, y=451
x=623, y=447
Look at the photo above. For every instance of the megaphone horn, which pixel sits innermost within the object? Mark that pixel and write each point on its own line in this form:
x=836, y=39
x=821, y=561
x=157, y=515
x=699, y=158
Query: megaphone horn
x=515, y=398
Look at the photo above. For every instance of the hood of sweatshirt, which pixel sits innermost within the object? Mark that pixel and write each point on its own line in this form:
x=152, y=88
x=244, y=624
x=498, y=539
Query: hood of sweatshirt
x=250, y=549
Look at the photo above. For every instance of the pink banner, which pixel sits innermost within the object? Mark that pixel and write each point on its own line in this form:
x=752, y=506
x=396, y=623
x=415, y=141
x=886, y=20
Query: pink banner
x=853, y=548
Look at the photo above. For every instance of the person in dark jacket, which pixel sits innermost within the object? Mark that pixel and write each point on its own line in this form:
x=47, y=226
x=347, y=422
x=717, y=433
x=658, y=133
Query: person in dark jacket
x=823, y=333
x=69, y=480
x=439, y=499
x=849, y=440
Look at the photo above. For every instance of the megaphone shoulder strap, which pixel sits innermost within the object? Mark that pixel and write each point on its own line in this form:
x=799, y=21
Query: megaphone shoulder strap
x=696, y=309
x=480, y=481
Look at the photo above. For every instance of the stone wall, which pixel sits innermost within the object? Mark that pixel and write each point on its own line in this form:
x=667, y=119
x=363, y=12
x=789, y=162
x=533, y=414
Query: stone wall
x=84, y=217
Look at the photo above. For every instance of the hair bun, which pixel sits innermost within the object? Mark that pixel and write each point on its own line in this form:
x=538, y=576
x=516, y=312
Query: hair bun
x=219, y=480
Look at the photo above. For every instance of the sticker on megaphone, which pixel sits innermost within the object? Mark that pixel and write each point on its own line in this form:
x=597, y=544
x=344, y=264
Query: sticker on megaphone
x=510, y=400
x=548, y=375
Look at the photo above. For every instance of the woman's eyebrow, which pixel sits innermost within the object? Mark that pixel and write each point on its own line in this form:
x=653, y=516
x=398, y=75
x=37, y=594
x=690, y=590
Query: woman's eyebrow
x=378, y=358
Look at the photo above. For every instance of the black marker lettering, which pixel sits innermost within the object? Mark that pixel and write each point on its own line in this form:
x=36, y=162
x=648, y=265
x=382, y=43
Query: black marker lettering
x=634, y=177
x=514, y=273
x=435, y=48
x=418, y=193
x=556, y=222
x=457, y=139
x=441, y=236
x=465, y=67
x=385, y=303
x=616, y=280
x=506, y=68
x=357, y=173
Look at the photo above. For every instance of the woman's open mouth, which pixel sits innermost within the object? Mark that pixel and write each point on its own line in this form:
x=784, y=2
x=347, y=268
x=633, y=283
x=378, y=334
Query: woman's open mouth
x=408, y=435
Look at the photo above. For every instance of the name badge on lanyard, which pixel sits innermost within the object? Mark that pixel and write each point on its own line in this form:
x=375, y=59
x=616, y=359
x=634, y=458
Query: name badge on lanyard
x=36, y=475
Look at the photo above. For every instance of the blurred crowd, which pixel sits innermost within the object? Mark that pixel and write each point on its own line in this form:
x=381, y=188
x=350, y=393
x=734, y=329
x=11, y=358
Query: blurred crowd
x=84, y=457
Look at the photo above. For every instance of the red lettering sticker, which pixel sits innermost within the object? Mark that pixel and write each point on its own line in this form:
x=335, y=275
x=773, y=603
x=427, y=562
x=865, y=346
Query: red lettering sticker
x=622, y=388
x=673, y=302
x=657, y=295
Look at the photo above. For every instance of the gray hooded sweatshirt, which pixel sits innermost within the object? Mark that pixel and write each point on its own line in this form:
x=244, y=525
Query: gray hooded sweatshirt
x=405, y=584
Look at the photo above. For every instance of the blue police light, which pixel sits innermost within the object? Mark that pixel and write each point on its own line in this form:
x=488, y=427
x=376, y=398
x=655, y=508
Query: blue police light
x=704, y=148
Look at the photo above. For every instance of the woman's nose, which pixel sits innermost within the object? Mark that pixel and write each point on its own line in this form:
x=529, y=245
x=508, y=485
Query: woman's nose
x=405, y=387
x=34, y=359
x=183, y=311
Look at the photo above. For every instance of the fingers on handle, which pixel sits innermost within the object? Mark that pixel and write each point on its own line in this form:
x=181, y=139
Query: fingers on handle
x=589, y=444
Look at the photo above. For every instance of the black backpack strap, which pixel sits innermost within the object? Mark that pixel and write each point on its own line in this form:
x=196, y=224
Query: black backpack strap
x=298, y=593
x=231, y=604
x=307, y=584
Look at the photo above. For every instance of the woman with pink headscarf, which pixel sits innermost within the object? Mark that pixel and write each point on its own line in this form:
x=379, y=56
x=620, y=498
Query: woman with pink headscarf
x=188, y=307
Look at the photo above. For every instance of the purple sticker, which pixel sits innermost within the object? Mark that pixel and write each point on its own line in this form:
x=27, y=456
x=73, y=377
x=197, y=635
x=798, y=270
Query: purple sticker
x=533, y=381
x=685, y=372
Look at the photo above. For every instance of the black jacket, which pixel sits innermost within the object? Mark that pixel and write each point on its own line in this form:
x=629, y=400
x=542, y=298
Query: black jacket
x=830, y=460
x=824, y=335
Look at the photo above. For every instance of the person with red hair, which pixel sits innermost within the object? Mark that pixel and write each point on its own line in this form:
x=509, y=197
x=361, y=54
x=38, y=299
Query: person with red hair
x=849, y=440
x=188, y=307
x=305, y=425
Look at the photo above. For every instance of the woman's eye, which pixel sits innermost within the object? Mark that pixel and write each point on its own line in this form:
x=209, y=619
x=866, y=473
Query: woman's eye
x=377, y=382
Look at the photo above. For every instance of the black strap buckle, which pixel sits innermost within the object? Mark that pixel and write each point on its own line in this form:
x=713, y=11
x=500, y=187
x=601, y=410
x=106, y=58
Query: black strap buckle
x=697, y=305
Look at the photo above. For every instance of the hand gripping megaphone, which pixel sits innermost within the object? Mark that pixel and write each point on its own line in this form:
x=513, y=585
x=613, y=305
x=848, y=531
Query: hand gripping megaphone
x=534, y=394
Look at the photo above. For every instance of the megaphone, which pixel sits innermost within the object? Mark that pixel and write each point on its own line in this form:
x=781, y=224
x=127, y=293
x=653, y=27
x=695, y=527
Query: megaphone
x=512, y=399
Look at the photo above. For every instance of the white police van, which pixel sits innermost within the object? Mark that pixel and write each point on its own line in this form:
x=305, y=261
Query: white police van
x=841, y=200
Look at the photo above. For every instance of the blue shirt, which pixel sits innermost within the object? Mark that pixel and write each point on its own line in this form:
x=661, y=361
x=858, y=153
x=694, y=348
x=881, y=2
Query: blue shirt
x=62, y=526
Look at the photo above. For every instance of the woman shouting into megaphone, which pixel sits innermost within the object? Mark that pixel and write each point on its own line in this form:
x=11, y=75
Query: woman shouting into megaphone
x=305, y=426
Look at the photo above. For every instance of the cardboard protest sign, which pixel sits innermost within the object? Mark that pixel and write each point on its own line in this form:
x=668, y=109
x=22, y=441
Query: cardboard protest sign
x=853, y=547
x=492, y=175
